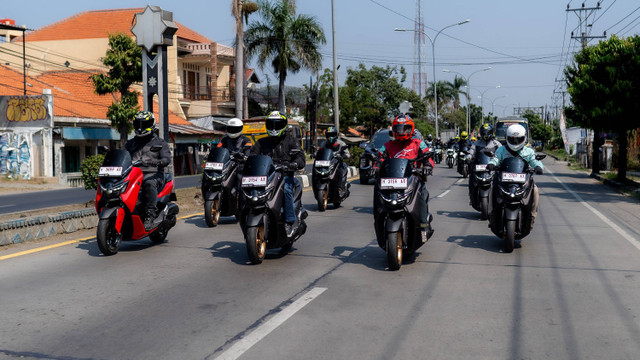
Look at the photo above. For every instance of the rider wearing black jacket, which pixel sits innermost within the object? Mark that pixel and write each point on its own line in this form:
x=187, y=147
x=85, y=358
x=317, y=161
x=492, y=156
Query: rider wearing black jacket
x=154, y=154
x=279, y=146
x=234, y=141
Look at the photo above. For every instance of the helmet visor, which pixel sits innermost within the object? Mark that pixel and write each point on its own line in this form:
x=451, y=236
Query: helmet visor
x=276, y=124
x=141, y=125
x=234, y=129
x=515, y=140
x=402, y=129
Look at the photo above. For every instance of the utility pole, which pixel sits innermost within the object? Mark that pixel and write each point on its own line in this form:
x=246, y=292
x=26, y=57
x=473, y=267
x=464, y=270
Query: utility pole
x=583, y=13
x=336, y=107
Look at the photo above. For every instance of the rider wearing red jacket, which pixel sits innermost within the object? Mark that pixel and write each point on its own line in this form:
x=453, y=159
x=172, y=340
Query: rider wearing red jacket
x=404, y=146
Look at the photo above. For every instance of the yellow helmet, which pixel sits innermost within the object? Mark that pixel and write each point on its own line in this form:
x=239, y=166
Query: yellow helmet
x=473, y=138
x=464, y=135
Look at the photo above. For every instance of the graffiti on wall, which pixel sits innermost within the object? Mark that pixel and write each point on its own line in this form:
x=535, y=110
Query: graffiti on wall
x=14, y=155
x=25, y=111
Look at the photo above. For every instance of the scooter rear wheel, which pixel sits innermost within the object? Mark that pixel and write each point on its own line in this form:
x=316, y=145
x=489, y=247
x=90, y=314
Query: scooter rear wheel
x=256, y=244
x=394, y=250
x=107, y=237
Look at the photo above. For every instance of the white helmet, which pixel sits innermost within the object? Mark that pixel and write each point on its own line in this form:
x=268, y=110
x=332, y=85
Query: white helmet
x=234, y=128
x=516, y=137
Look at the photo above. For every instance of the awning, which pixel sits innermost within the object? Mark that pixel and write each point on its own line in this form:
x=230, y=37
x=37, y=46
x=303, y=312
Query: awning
x=84, y=133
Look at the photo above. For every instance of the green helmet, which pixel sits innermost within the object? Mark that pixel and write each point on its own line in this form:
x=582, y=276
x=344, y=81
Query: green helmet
x=276, y=124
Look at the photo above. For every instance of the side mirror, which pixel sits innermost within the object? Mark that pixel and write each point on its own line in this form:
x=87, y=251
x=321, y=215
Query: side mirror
x=540, y=156
x=363, y=144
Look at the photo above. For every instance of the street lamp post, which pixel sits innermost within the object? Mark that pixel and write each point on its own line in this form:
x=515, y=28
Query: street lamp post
x=468, y=81
x=482, y=98
x=494, y=100
x=433, y=52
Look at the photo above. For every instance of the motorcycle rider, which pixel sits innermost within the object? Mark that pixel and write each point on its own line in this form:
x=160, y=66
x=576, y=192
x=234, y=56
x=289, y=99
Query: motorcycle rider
x=486, y=142
x=154, y=154
x=463, y=140
x=278, y=146
x=516, y=141
x=437, y=142
x=234, y=141
x=404, y=146
x=341, y=150
x=429, y=141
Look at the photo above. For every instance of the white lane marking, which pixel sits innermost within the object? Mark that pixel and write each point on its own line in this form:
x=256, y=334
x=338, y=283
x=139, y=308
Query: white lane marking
x=459, y=181
x=10, y=205
x=633, y=241
x=443, y=194
x=263, y=330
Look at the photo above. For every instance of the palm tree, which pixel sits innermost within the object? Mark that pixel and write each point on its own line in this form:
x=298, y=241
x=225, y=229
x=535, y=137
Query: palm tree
x=456, y=85
x=290, y=41
x=240, y=8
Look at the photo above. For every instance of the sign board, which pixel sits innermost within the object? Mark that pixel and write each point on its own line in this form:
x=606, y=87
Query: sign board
x=25, y=111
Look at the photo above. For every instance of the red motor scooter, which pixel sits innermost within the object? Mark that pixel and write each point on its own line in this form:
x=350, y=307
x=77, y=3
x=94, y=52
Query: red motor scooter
x=121, y=211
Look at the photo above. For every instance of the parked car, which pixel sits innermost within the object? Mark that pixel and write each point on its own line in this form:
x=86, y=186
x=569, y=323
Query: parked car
x=367, y=167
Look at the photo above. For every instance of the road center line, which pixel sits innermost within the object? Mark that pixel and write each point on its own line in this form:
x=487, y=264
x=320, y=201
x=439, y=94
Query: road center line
x=258, y=334
x=615, y=227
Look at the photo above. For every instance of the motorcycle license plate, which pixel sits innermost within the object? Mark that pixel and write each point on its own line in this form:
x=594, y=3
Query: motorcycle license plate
x=251, y=181
x=514, y=177
x=481, y=167
x=110, y=171
x=213, y=166
x=393, y=183
x=323, y=163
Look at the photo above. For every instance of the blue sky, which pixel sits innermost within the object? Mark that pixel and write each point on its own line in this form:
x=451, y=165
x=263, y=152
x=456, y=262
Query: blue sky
x=526, y=43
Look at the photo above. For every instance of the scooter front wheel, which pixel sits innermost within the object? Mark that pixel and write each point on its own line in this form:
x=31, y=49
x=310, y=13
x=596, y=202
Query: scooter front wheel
x=323, y=200
x=256, y=244
x=509, y=235
x=484, y=208
x=394, y=250
x=212, y=212
x=107, y=237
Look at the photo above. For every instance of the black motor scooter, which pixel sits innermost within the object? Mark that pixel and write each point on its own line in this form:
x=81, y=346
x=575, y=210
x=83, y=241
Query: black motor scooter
x=480, y=183
x=262, y=213
x=220, y=184
x=398, y=203
x=512, y=199
x=325, y=179
x=463, y=167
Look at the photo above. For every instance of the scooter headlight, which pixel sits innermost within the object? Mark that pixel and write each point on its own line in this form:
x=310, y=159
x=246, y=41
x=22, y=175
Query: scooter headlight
x=214, y=176
x=396, y=199
x=113, y=189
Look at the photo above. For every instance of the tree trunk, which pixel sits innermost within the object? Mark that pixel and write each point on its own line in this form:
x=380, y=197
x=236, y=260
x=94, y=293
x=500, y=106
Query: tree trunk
x=239, y=63
x=622, y=156
x=124, y=133
x=281, y=107
x=595, y=152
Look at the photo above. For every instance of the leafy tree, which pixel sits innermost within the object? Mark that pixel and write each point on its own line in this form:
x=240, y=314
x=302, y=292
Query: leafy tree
x=124, y=60
x=291, y=42
x=538, y=130
x=604, y=84
x=89, y=169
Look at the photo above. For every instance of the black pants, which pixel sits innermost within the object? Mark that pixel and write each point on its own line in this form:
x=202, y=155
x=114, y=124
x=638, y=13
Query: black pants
x=150, y=186
x=341, y=175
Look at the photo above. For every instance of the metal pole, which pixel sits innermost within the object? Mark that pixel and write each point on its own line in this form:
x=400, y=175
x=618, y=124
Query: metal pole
x=435, y=87
x=239, y=61
x=24, y=60
x=336, y=107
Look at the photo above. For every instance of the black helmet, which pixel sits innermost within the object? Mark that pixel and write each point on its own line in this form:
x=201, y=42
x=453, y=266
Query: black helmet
x=276, y=123
x=429, y=137
x=486, y=132
x=144, y=123
x=331, y=134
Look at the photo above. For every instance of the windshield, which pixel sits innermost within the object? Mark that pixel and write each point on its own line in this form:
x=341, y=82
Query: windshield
x=395, y=168
x=380, y=138
x=481, y=157
x=258, y=165
x=324, y=154
x=514, y=164
x=117, y=158
x=219, y=155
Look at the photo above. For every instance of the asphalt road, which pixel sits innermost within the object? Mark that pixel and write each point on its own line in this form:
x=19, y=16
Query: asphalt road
x=34, y=200
x=570, y=292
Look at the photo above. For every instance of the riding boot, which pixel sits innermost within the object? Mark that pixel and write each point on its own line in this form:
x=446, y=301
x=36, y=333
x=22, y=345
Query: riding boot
x=149, y=218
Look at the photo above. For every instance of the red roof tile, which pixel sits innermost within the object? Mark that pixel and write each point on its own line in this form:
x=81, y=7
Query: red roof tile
x=98, y=24
x=73, y=93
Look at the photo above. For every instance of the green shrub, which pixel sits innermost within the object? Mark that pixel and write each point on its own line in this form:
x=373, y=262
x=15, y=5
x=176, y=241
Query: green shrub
x=354, y=160
x=89, y=169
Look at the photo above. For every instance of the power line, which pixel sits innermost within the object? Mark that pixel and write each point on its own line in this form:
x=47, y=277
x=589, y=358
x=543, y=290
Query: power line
x=623, y=18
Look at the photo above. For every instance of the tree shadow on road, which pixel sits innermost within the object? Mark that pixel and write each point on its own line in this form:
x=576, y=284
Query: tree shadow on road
x=237, y=252
x=201, y=223
x=370, y=256
x=471, y=215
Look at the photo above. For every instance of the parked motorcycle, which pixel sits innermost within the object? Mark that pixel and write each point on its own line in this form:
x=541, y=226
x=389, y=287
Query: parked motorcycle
x=220, y=184
x=397, y=207
x=121, y=212
x=512, y=199
x=325, y=180
x=262, y=215
x=480, y=183
x=451, y=156
x=463, y=167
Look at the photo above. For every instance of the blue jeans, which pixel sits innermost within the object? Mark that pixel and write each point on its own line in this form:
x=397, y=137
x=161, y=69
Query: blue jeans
x=289, y=204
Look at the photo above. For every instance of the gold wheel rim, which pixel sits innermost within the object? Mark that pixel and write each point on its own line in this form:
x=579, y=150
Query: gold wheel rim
x=215, y=214
x=261, y=245
x=399, y=247
x=325, y=198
